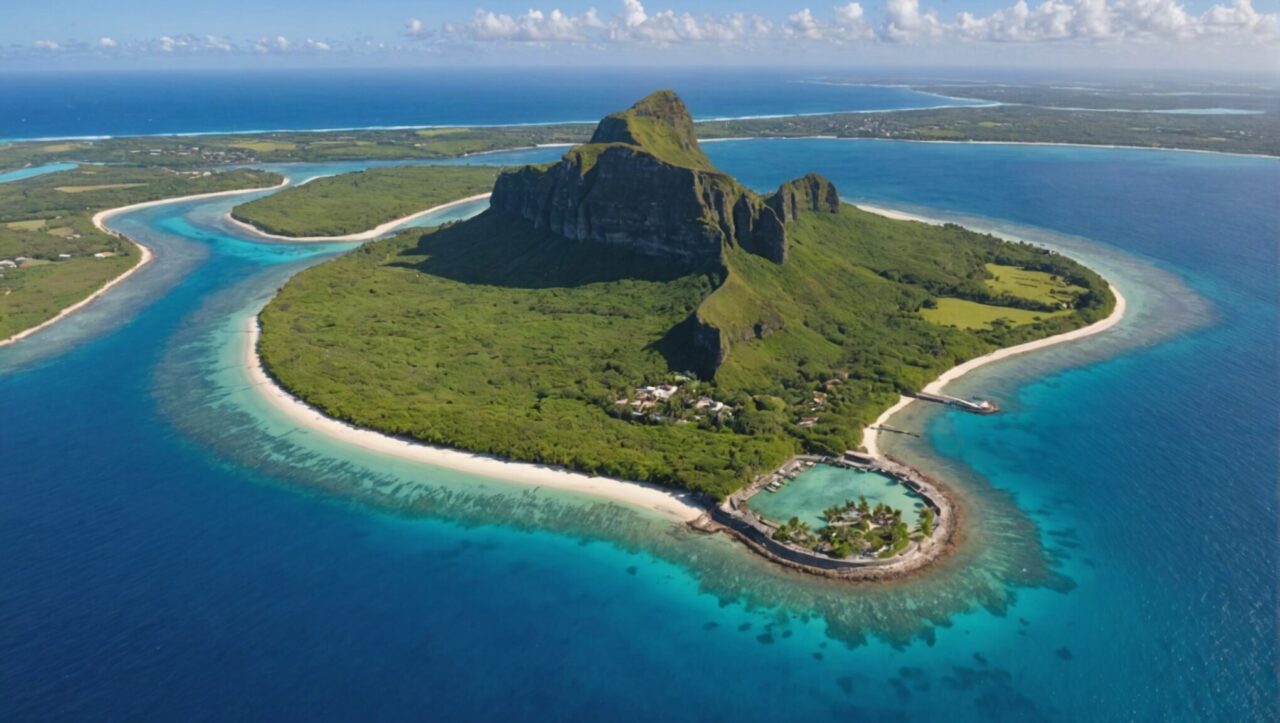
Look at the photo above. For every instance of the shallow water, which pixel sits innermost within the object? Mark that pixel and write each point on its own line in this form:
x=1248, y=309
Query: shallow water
x=824, y=486
x=174, y=548
x=33, y=171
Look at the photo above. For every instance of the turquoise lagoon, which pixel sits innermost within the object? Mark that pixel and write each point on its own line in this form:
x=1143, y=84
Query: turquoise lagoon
x=825, y=486
x=33, y=171
x=174, y=549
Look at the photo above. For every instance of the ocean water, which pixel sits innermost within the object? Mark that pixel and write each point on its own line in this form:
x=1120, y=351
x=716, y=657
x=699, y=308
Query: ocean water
x=53, y=105
x=173, y=549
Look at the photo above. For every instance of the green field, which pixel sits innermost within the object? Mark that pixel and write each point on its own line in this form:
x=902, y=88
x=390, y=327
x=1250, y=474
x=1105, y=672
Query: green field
x=973, y=315
x=52, y=229
x=1032, y=285
x=355, y=202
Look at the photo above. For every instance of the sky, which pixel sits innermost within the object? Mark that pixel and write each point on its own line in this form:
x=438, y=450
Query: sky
x=1232, y=35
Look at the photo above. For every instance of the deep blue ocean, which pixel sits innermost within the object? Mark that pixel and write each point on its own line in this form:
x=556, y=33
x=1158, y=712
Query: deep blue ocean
x=61, y=105
x=173, y=551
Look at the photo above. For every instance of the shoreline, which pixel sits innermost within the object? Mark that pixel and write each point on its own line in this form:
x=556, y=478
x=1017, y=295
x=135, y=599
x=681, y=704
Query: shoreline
x=681, y=507
x=1064, y=144
x=648, y=496
x=870, y=434
x=368, y=235
x=99, y=220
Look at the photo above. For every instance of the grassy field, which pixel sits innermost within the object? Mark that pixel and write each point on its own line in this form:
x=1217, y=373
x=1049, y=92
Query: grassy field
x=355, y=202
x=53, y=230
x=1032, y=285
x=489, y=336
x=973, y=315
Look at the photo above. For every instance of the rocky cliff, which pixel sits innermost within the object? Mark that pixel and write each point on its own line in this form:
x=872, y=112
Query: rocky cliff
x=644, y=183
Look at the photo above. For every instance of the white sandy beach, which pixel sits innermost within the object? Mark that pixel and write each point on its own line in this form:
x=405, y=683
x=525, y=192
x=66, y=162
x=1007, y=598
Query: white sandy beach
x=368, y=235
x=144, y=258
x=870, y=435
x=652, y=497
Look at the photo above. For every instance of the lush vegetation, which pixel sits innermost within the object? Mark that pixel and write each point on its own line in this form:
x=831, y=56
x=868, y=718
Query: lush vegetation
x=490, y=336
x=858, y=528
x=355, y=202
x=46, y=228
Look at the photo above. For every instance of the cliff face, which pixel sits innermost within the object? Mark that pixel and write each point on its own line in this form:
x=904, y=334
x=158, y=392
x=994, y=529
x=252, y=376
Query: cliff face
x=644, y=183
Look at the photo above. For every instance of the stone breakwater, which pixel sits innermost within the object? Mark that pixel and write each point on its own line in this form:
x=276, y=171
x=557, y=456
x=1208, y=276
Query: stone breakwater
x=734, y=518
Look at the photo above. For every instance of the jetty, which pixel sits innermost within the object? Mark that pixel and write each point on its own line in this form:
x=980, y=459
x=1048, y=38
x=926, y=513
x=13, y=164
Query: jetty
x=977, y=407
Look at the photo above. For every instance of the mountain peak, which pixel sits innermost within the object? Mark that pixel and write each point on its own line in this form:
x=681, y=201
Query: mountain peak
x=659, y=124
x=643, y=183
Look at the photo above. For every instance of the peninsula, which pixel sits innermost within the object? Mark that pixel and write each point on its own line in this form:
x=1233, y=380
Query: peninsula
x=56, y=255
x=633, y=312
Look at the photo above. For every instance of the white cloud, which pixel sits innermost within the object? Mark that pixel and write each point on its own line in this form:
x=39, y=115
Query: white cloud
x=212, y=42
x=848, y=22
x=1164, y=21
x=46, y=45
x=413, y=27
x=803, y=25
x=105, y=42
x=265, y=45
x=532, y=27
x=633, y=23
x=318, y=45
x=905, y=22
x=1160, y=21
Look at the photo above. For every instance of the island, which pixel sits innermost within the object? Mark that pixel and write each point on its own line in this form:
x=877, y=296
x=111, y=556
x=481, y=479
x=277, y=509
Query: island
x=633, y=312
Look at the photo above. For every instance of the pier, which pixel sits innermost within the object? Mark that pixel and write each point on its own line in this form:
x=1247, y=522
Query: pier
x=976, y=407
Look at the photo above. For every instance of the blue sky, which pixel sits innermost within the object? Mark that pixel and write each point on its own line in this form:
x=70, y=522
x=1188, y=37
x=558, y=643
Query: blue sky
x=1230, y=34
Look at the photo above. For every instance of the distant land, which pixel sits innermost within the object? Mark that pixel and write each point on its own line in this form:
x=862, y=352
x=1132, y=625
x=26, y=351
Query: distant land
x=633, y=312
x=1186, y=116
x=54, y=253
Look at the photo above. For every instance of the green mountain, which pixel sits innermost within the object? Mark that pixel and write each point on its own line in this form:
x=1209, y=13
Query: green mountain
x=531, y=330
x=643, y=184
